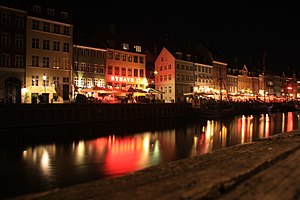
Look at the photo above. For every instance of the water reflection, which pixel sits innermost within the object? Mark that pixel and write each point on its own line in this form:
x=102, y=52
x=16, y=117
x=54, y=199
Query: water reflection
x=43, y=166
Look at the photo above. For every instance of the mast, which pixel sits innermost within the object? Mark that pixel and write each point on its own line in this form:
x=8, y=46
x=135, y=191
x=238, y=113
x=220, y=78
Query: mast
x=220, y=82
x=264, y=70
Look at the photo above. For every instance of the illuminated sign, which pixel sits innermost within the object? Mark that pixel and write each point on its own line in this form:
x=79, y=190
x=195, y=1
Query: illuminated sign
x=124, y=79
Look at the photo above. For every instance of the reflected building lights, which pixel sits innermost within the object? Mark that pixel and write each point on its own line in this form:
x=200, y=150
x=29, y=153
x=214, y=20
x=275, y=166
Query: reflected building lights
x=267, y=126
x=243, y=130
x=290, y=122
x=283, y=123
x=80, y=152
x=224, y=135
x=250, y=128
x=261, y=126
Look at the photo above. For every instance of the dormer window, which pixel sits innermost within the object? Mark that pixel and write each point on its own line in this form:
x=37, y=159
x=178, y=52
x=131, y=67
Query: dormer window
x=50, y=12
x=36, y=9
x=64, y=15
x=125, y=46
x=188, y=57
x=138, y=48
x=178, y=55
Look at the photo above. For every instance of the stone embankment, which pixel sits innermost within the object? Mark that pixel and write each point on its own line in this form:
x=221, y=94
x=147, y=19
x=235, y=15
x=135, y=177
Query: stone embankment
x=264, y=169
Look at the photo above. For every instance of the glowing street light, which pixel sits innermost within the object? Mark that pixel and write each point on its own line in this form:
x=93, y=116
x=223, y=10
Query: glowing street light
x=44, y=79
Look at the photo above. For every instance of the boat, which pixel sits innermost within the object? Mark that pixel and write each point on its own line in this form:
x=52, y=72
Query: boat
x=214, y=110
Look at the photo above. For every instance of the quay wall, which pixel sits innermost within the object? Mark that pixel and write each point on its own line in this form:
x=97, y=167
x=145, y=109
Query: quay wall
x=28, y=115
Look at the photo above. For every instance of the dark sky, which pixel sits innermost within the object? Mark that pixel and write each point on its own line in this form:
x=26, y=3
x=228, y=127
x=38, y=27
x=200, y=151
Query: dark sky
x=244, y=30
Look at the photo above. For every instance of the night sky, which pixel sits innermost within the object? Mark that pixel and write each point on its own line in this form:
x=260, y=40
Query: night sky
x=240, y=30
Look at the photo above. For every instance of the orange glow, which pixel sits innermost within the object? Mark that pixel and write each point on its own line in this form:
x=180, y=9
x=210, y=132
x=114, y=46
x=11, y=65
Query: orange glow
x=290, y=122
x=123, y=155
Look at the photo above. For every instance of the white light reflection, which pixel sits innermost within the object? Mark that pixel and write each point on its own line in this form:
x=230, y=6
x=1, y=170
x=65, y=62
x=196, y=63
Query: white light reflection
x=261, y=126
x=250, y=128
x=80, y=152
x=267, y=126
x=283, y=123
x=224, y=135
x=208, y=133
x=243, y=130
x=45, y=160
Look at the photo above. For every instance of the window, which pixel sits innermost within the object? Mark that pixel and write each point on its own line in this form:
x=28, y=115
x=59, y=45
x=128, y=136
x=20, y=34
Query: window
x=169, y=77
x=109, y=54
x=46, y=26
x=129, y=70
x=46, y=44
x=35, y=43
x=135, y=72
x=123, y=71
x=64, y=15
x=35, y=61
x=109, y=71
x=138, y=48
x=82, y=82
x=56, y=46
x=101, y=83
x=123, y=57
x=46, y=61
x=169, y=66
x=66, y=47
x=19, y=40
x=129, y=58
x=50, y=12
x=65, y=79
x=135, y=59
x=117, y=56
x=5, y=60
x=89, y=67
x=5, y=39
x=56, y=81
x=34, y=81
x=165, y=77
x=66, y=30
x=5, y=18
x=89, y=82
x=95, y=81
x=56, y=63
x=82, y=66
x=19, y=21
x=35, y=25
x=75, y=66
x=76, y=81
x=101, y=69
x=36, y=9
x=56, y=28
x=19, y=61
x=65, y=63
x=141, y=59
x=117, y=70
x=141, y=73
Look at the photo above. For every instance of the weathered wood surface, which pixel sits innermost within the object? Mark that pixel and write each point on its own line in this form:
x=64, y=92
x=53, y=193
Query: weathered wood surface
x=264, y=169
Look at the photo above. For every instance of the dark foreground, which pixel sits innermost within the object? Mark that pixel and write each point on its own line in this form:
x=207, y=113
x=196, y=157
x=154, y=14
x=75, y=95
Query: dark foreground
x=264, y=169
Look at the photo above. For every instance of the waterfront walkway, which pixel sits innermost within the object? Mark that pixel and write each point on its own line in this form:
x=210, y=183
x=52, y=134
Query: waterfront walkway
x=264, y=169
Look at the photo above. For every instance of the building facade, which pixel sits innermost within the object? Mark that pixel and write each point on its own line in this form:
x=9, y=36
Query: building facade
x=48, y=55
x=12, y=54
x=89, y=65
x=125, y=68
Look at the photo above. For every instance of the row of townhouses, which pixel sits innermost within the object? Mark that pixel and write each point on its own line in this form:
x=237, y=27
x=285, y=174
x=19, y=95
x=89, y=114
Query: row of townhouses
x=39, y=59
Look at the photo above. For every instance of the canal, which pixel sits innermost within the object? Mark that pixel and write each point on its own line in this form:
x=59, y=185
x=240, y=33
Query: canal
x=44, y=158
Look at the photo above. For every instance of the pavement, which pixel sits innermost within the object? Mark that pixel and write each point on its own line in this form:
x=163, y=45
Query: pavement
x=265, y=169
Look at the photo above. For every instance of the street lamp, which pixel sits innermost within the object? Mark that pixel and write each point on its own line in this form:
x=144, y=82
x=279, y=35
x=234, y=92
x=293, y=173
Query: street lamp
x=44, y=79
